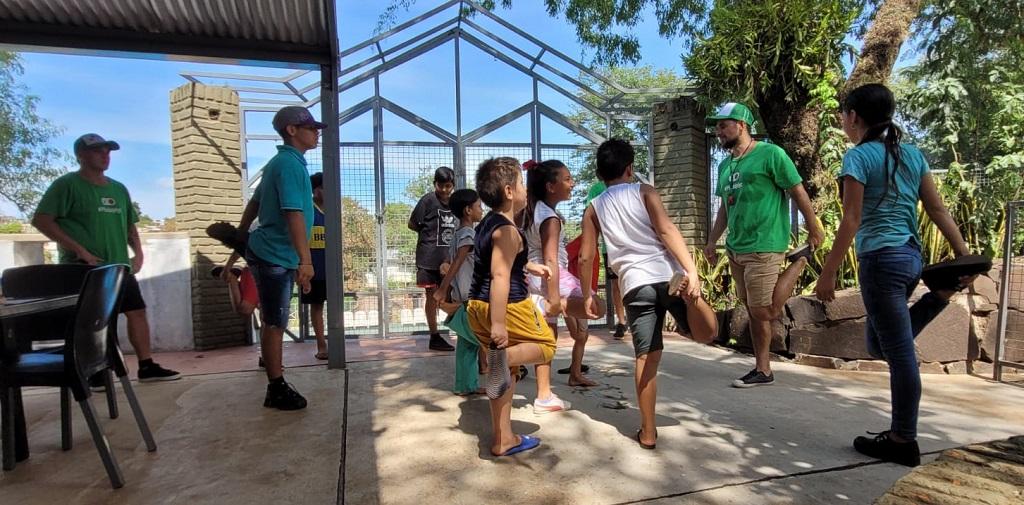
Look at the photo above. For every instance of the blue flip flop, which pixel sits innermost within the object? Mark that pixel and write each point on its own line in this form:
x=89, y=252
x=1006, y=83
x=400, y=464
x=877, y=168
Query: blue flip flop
x=527, y=442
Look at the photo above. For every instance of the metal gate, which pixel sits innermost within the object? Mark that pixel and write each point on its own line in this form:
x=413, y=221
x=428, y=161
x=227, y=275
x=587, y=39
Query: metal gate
x=1009, y=344
x=382, y=177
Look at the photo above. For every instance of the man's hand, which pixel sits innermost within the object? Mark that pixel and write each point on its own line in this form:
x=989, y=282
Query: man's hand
x=815, y=235
x=499, y=335
x=136, y=263
x=89, y=259
x=711, y=253
x=303, y=275
x=539, y=270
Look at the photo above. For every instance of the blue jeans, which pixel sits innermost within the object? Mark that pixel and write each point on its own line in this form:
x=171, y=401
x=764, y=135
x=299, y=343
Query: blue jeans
x=888, y=277
x=274, y=285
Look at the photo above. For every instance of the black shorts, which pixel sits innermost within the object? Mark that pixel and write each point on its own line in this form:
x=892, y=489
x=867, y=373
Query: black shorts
x=608, y=273
x=428, y=279
x=317, y=292
x=131, y=295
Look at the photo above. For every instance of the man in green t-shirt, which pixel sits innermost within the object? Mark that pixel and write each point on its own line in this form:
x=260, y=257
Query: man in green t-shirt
x=620, y=312
x=752, y=184
x=92, y=219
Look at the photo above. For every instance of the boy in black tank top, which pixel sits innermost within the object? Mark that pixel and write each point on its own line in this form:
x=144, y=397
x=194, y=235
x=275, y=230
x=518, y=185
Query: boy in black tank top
x=501, y=313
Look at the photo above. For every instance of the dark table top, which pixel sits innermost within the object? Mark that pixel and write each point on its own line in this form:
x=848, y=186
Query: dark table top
x=12, y=307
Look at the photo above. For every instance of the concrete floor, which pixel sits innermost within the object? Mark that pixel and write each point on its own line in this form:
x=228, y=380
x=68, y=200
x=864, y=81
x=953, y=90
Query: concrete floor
x=211, y=431
x=410, y=441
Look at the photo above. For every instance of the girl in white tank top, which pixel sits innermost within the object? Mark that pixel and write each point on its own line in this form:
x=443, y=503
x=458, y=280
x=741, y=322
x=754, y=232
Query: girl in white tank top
x=547, y=184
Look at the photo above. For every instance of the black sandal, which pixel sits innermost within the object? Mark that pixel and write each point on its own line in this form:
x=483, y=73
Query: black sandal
x=643, y=445
x=946, y=275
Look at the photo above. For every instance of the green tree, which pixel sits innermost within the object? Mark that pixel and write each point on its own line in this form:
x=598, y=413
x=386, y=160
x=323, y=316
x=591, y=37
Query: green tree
x=27, y=163
x=144, y=220
x=360, y=248
x=964, y=99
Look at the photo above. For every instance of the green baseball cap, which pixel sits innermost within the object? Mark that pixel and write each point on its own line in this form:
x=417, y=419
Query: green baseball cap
x=732, y=110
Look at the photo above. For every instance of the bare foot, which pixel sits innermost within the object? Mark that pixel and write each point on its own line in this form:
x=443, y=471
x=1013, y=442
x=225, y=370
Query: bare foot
x=501, y=448
x=581, y=381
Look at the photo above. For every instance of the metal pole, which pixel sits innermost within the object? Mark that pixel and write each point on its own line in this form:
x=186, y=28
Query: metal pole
x=331, y=154
x=535, y=124
x=459, y=161
x=378, y=177
x=1004, y=291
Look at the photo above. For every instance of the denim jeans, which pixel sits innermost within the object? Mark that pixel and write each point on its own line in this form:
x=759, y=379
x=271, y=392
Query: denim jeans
x=888, y=277
x=274, y=285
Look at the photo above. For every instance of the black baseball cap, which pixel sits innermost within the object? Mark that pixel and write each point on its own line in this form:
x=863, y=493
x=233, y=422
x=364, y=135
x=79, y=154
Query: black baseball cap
x=294, y=115
x=92, y=141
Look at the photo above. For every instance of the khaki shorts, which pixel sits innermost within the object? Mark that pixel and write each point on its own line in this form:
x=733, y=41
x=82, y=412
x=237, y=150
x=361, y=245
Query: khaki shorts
x=756, y=275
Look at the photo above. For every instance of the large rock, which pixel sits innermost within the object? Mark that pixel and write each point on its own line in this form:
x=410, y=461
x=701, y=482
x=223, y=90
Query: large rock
x=739, y=331
x=1014, y=349
x=806, y=311
x=843, y=340
x=945, y=338
x=847, y=305
x=985, y=286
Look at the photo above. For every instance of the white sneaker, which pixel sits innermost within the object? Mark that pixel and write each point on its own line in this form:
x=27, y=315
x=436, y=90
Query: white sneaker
x=551, y=404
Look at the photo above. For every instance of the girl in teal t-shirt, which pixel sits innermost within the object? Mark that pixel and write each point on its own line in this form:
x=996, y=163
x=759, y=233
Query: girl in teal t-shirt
x=882, y=181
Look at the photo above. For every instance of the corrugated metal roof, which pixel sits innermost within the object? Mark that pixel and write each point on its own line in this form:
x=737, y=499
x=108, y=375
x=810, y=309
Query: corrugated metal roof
x=272, y=30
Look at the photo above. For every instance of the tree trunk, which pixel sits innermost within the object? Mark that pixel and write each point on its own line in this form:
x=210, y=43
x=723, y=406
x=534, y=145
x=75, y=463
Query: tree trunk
x=793, y=126
x=882, y=43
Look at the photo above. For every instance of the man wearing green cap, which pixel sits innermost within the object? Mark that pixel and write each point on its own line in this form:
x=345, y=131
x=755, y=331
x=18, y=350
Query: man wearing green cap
x=752, y=183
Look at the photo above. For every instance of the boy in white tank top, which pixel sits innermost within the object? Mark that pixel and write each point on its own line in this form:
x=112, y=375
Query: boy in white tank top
x=655, y=269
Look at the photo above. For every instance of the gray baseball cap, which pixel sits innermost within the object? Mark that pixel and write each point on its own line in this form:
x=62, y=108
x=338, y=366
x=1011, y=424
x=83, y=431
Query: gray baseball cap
x=92, y=141
x=294, y=115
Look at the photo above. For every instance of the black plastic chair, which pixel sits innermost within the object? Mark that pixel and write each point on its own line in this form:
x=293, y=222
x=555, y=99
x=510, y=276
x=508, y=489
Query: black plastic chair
x=87, y=350
x=39, y=281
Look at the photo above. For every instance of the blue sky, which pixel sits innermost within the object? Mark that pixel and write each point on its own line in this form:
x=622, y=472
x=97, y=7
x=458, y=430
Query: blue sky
x=127, y=99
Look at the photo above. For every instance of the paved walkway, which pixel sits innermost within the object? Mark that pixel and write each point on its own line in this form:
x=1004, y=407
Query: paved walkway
x=388, y=431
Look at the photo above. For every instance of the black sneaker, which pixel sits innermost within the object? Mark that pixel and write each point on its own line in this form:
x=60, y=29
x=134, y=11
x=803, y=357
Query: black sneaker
x=438, y=343
x=282, y=397
x=882, y=447
x=620, y=331
x=754, y=378
x=802, y=251
x=155, y=372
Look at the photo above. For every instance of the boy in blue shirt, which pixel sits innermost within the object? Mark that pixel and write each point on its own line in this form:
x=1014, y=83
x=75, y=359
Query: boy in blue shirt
x=317, y=294
x=278, y=249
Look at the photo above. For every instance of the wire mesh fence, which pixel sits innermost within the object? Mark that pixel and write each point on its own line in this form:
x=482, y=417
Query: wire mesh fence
x=1009, y=351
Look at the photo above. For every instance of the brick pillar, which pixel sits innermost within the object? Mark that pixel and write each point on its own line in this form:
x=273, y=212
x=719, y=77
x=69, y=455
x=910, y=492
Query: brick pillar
x=681, y=166
x=207, y=158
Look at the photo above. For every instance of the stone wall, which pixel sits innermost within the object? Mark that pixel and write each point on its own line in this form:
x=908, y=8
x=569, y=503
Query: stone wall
x=207, y=157
x=961, y=338
x=681, y=166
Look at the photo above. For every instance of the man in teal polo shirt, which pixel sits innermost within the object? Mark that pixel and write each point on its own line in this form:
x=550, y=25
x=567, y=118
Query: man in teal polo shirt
x=278, y=250
x=91, y=218
x=752, y=183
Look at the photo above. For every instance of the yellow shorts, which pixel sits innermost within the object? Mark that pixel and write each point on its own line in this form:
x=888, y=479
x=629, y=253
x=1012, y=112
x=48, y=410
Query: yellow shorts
x=756, y=275
x=524, y=322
